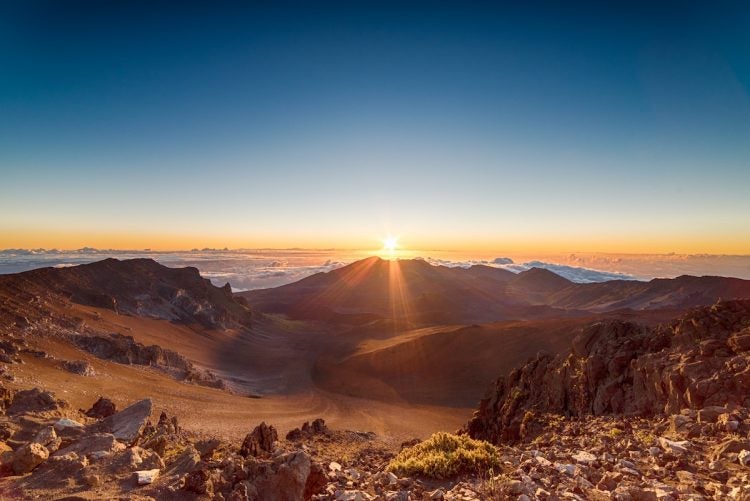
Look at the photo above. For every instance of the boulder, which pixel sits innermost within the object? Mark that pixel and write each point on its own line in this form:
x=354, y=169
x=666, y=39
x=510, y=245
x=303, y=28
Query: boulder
x=33, y=400
x=102, y=408
x=28, y=457
x=291, y=476
x=128, y=424
x=48, y=438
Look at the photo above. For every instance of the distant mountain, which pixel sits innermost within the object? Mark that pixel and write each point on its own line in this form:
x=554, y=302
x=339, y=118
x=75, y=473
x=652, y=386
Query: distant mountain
x=419, y=293
x=410, y=291
x=139, y=287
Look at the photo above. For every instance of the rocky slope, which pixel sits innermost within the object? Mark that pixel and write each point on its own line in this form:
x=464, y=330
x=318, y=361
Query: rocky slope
x=41, y=304
x=139, y=287
x=623, y=368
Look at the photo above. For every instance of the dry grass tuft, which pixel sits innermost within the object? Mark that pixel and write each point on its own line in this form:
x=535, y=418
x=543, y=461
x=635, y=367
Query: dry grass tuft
x=444, y=455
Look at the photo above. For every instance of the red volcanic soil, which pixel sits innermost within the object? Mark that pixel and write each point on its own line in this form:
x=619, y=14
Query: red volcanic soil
x=370, y=368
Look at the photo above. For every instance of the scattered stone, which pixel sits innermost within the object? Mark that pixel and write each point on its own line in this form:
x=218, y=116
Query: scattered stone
x=145, y=477
x=80, y=367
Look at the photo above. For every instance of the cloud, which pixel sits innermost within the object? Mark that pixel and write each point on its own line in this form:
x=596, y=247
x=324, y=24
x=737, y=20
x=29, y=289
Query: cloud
x=573, y=273
x=248, y=269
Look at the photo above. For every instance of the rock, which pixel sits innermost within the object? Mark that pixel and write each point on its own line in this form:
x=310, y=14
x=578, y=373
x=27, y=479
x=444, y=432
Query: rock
x=334, y=466
x=679, y=424
x=732, y=445
x=65, y=423
x=617, y=367
x=80, y=367
x=145, y=477
x=710, y=414
x=102, y=408
x=33, y=400
x=91, y=443
x=128, y=424
x=207, y=447
x=29, y=457
x=514, y=487
x=260, y=441
x=584, y=457
x=437, y=494
x=48, y=438
x=674, y=447
x=92, y=480
x=289, y=477
x=199, y=481
x=744, y=457
x=185, y=462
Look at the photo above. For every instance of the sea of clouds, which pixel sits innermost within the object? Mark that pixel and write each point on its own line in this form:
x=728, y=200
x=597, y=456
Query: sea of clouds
x=261, y=268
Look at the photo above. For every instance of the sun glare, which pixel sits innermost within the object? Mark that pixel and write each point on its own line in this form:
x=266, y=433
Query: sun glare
x=390, y=244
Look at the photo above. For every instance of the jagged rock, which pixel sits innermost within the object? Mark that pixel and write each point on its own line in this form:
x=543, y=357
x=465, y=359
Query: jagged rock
x=207, y=447
x=48, y=438
x=292, y=476
x=185, y=462
x=102, y=408
x=260, y=441
x=199, y=481
x=744, y=457
x=128, y=424
x=28, y=457
x=80, y=367
x=318, y=427
x=617, y=367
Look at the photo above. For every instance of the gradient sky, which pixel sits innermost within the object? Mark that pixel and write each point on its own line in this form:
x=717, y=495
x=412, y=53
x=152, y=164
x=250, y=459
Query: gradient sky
x=454, y=125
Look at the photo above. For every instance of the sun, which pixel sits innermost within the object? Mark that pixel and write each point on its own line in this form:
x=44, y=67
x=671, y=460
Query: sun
x=390, y=244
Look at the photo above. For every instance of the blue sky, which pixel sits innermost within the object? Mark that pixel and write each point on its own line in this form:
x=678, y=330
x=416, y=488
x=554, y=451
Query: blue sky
x=455, y=125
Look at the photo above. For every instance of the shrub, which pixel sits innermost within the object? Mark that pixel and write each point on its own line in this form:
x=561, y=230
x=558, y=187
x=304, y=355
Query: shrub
x=445, y=455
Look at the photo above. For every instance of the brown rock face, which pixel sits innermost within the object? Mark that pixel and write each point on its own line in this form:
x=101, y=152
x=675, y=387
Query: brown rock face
x=260, y=441
x=33, y=400
x=619, y=367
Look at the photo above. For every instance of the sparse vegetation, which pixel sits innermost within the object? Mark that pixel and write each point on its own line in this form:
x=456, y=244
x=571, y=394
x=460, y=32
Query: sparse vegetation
x=445, y=455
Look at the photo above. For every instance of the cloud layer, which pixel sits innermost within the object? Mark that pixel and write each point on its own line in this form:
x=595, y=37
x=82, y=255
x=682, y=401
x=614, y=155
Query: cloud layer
x=253, y=269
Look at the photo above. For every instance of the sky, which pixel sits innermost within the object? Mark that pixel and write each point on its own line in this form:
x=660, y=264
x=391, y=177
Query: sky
x=529, y=127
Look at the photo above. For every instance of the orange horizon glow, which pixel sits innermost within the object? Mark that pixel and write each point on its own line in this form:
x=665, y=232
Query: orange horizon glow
x=523, y=244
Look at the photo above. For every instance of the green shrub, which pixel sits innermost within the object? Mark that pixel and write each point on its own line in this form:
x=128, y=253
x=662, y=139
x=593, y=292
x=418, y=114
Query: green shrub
x=445, y=455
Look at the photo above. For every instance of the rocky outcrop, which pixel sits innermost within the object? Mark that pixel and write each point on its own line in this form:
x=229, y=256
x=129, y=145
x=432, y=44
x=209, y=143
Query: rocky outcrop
x=34, y=400
x=318, y=427
x=623, y=368
x=260, y=441
x=126, y=350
